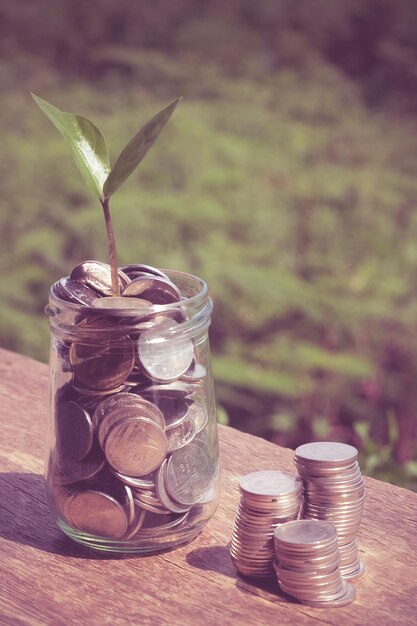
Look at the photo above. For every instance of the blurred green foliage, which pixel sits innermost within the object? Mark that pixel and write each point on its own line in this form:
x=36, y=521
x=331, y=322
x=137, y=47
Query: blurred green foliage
x=274, y=181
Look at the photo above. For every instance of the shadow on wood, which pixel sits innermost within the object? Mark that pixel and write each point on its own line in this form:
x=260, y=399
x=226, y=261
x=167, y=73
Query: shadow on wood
x=25, y=519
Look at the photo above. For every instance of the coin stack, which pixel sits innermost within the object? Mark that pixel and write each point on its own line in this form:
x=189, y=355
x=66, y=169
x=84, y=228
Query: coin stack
x=307, y=564
x=134, y=454
x=267, y=499
x=334, y=491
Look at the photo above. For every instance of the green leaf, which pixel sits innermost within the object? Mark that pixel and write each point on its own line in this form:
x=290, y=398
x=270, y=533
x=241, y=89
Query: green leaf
x=136, y=149
x=86, y=142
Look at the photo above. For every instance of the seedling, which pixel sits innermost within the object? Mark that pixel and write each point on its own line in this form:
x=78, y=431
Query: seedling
x=91, y=156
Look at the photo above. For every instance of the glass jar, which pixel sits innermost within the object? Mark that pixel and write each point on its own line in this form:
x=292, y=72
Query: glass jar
x=132, y=463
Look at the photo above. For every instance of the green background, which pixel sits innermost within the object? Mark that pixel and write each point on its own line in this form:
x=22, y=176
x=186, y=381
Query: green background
x=286, y=179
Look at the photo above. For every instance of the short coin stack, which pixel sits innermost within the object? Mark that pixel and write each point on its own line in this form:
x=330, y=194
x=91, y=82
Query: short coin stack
x=334, y=491
x=307, y=564
x=268, y=498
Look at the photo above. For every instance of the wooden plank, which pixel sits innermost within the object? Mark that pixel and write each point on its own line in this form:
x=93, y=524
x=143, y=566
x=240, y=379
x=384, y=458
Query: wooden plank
x=47, y=579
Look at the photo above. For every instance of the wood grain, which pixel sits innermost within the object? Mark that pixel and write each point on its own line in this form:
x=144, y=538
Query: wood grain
x=45, y=579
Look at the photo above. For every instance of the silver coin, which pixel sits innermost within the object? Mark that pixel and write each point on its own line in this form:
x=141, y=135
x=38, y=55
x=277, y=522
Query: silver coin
x=272, y=483
x=157, y=509
x=135, y=446
x=196, y=372
x=162, y=492
x=189, y=473
x=174, y=410
x=104, y=407
x=327, y=452
x=125, y=412
x=181, y=435
x=96, y=275
x=137, y=523
x=75, y=291
x=74, y=431
x=98, y=513
x=198, y=413
x=157, y=525
x=154, y=289
x=146, y=270
x=346, y=597
x=175, y=390
x=124, y=405
x=164, y=358
x=305, y=533
x=142, y=482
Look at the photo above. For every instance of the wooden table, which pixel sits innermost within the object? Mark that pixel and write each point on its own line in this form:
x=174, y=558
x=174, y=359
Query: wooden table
x=47, y=579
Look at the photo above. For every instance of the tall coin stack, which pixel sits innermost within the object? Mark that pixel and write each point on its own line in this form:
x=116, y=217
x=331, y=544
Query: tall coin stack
x=334, y=491
x=267, y=499
x=307, y=564
x=134, y=454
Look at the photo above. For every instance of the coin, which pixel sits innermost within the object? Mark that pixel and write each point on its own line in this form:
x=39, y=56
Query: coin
x=154, y=289
x=98, y=513
x=96, y=275
x=327, y=452
x=102, y=365
x=74, y=431
x=199, y=415
x=119, y=303
x=74, y=291
x=142, y=482
x=347, y=596
x=302, y=533
x=189, y=473
x=164, y=357
x=123, y=406
x=334, y=491
x=176, y=389
x=146, y=270
x=157, y=525
x=85, y=469
x=181, y=435
x=137, y=523
x=135, y=446
x=269, y=483
x=196, y=372
x=174, y=410
x=162, y=492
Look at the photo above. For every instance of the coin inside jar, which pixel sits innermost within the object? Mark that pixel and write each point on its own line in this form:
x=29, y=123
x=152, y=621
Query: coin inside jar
x=74, y=431
x=98, y=513
x=124, y=405
x=96, y=275
x=189, y=473
x=181, y=435
x=119, y=303
x=145, y=270
x=135, y=446
x=101, y=365
x=164, y=357
x=153, y=288
x=75, y=291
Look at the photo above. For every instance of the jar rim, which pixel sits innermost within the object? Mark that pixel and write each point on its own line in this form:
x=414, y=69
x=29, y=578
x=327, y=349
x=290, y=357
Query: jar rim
x=184, y=277
x=65, y=316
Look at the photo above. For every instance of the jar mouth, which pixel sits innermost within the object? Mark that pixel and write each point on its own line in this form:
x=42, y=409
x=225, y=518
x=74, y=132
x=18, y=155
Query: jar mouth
x=195, y=308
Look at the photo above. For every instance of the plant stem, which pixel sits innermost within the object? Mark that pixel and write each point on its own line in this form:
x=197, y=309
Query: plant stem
x=112, y=248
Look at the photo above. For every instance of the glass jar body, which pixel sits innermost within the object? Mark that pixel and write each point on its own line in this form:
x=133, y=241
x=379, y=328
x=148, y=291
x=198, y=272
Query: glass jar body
x=132, y=457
